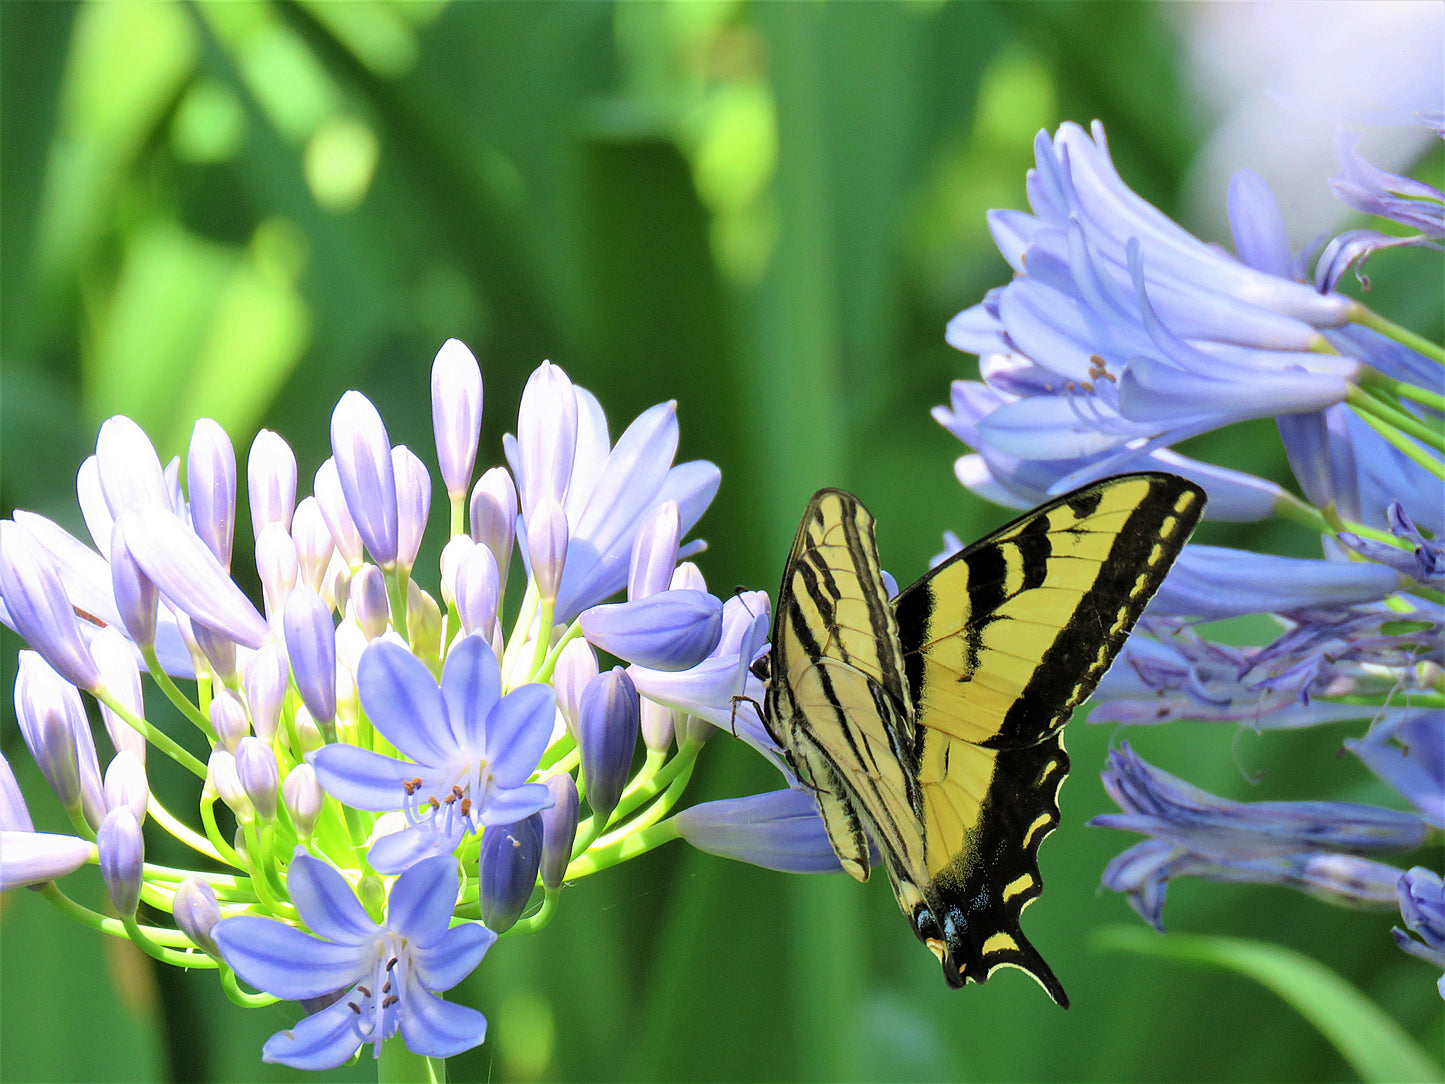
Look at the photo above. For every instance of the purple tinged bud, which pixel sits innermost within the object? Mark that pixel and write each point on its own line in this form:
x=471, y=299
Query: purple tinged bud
x=189, y=575
x=654, y=552
x=260, y=778
x=456, y=410
x=93, y=509
x=14, y=816
x=125, y=784
x=271, y=477
x=218, y=649
x=311, y=646
x=332, y=502
x=547, y=545
x=32, y=858
x=658, y=723
x=369, y=604
x=559, y=831
x=41, y=711
x=362, y=452
x=222, y=780
x=423, y=622
x=136, y=597
x=507, y=873
x=493, y=516
x=196, y=911
x=673, y=630
x=228, y=718
x=267, y=674
x=478, y=590
x=211, y=480
x=129, y=470
x=413, y=503
x=606, y=737
x=546, y=436
x=314, y=546
x=576, y=667
x=457, y=547
x=277, y=566
x=39, y=607
x=120, y=674
x=122, y=858
x=303, y=796
x=307, y=732
x=688, y=577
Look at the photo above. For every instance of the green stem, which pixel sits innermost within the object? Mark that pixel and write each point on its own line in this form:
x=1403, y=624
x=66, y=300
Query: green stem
x=1375, y=322
x=1364, y=402
x=182, y=831
x=457, y=524
x=213, y=833
x=533, y=923
x=1431, y=463
x=549, y=664
x=544, y=637
x=241, y=997
x=156, y=737
x=175, y=957
x=1290, y=508
x=1403, y=389
x=630, y=847
x=174, y=694
x=396, y=581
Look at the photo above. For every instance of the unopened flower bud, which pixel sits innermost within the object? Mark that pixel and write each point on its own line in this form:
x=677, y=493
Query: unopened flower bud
x=559, y=830
x=303, y=797
x=547, y=546
x=362, y=452
x=423, y=622
x=228, y=718
x=211, y=484
x=196, y=911
x=332, y=502
x=277, y=565
x=510, y=857
x=125, y=784
x=223, y=782
x=311, y=647
x=122, y=858
x=314, y=547
x=267, y=675
x=271, y=479
x=493, y=516
x=456, y=410
x=576, y=666
x=260, y=779
x=606, y=737
x=413, y=503
x=654, y=552
x=369, y=604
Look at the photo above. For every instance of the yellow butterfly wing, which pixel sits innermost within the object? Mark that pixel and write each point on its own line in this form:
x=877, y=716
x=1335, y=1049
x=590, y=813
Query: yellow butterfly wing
x=933, y=724
x=1000, y=643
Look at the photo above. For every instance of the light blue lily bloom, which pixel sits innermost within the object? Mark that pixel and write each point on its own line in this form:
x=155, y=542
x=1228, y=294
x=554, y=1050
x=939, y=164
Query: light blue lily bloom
x=383, y=976
x=1213, y=582
x=779, y=829
x=471, y=750
x=1407, y=751
x=670, y=630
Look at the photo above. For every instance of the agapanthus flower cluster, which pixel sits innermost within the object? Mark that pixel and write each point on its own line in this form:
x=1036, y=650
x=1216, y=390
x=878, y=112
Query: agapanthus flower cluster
x=1120, y=335
x=389, y=771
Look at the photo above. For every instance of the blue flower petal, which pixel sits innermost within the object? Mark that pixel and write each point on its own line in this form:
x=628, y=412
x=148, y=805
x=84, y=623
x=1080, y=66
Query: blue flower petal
x=420, y=904
x=403, y=702
x=322, y=1040
x=399, y=851
x=444, y=964
x=326, y=902
x=471, y=686
x=1213, y=582
x=671, y=630
x=360, y=778
x=518, y=803
x=437, y=1028
x=780, y=830
x=285, y=962
x=517, y=732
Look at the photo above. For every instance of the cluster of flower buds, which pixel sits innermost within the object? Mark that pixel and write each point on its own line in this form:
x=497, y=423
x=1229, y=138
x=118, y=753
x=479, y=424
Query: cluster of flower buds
x=388, y=758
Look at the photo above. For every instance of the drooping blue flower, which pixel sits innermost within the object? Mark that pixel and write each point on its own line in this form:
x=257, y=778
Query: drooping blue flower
x=1312, y=846
x=510, y=857
x=1407, y=751
x=471, y=750
x=1422, y=905
x=779, y=829
x=387, y=975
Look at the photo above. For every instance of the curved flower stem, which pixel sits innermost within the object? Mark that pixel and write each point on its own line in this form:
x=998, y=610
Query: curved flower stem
x=1387, y=411
x=153, y=936
x=533, y=923
x=1291, y=508
x=179, y=958
x=174, y=694
x=1403, y=335
x=213, y=833
x=241, y=997
x=1403, y=389
x=182, y=831
x=162, y=741
x=549, y=664
x=544, y=636
x=227, y=887
x=629, y=847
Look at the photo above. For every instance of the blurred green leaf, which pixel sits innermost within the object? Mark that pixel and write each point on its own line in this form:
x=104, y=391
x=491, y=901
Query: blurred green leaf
x=1376, y=1047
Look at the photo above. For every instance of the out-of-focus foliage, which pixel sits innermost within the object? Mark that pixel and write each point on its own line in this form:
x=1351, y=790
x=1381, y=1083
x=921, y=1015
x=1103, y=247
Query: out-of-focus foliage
x=767, y=212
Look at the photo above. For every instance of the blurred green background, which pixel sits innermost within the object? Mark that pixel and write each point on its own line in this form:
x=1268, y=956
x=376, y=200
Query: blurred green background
x=765, y=211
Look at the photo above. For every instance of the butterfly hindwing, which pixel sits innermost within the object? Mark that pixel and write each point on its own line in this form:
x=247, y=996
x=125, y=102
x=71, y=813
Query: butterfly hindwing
x=934, y=723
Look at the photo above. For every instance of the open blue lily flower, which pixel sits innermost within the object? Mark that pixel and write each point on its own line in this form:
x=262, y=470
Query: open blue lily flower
x=471, y=749
x=386, y=974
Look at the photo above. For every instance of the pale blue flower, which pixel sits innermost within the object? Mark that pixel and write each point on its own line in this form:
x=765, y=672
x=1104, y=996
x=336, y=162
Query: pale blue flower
x=383, y=976
x=780, y=829
x=211, y=487
x=471, y=750
x=271, y=481
x=311, y=648
x=361, y=452
x=1407, y=751
x=456, y=410
x=671, y=630
x=122, y=858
